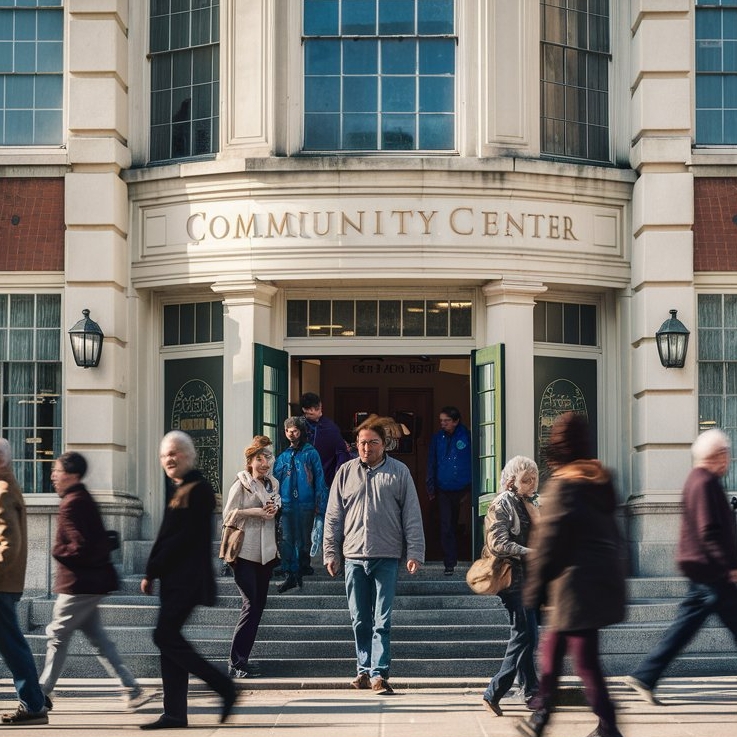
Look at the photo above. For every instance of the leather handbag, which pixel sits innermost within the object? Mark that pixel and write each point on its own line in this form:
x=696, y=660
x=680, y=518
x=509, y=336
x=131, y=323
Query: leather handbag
x=489, y=575
x=231, y=541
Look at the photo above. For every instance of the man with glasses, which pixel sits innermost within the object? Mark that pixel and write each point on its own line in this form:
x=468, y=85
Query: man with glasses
x=373, y=516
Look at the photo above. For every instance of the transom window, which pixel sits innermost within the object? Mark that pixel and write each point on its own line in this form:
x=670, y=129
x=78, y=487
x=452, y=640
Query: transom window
x=379, y=75
x=575, y=62
x=193, y=322
x=565, y=322
x=30, y=385
x=716, y=72
x=185, y=78
x=347, y=318
x=717, y=367
x=31, y=69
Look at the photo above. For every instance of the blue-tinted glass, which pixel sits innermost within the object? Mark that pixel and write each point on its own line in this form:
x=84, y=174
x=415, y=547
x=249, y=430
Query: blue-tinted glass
x=730, y=126
x=6, y=56
x=322, y=132
x=437, y=56
x=398, y=94
x=708, y=91
x=186, y=323
x=25, y=57
x=399, y=57
x=436, y=132
x=360, y=94
x=398, y=132
x=159, y=34
x=161, y=73
x=159, y=7
x=19, y=91
x=729, y=23
x=359, y=132
x=396, y=17
x=2, y=121
x=708, y=126
x=202, y=70
x=47, y=127
x=729, y=58
x=180, y=30
x=321, y=17
x=216, y=329
x=730, y=89
x=181, y=68
x=435, y=16
x=436, y=94
x=322, y=94
x=51, y=25
x=709, y=23
x=709, y=56
x=50, y=56
x=202, y=101
x=25, y=26
x=322, y=57
x=200, y=27
x=358, y=17
x=360, y=57
x=6, y=25
x=160, y=137
x=180, y=6
x=160, y=107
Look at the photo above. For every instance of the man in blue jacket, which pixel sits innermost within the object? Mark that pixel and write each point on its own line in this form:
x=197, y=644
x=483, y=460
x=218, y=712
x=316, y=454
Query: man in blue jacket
x=449, y=478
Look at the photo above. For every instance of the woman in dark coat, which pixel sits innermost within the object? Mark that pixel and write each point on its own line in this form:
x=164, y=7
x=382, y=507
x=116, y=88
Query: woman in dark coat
x=577, y=571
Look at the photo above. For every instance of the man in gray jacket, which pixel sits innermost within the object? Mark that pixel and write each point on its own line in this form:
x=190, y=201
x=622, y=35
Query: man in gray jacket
x=373, y=517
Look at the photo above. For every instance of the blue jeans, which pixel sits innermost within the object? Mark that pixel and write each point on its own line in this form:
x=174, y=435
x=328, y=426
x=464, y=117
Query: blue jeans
x=17, y=655
x=519, y=659
x=296, y=526
x=701, y=601
x=370, y=584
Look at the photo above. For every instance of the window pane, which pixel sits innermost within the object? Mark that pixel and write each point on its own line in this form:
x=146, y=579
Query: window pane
x=435, y=16
x=396, y=16
x=437, y=318
x=460, y=319
x=320, y=17
x=710, y=310
x=322, y=132
x=171, y=324
x=399, y=57
x=319, y=317
x=398, y=132
x=398, y=94
x=366, y=317
x=359, y=17
x=296, y=318
x=360, y=57
x=202, y=322
x=343, y=320
x=360, y=132
x=216, y=314
x=186, y=324
x=389, y=317
x=436, y=132
x=413, y=317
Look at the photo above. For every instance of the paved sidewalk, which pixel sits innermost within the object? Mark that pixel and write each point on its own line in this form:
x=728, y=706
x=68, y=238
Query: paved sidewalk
x=703, y=707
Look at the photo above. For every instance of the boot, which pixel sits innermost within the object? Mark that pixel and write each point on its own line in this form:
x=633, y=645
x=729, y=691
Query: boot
x=600, y=731
x=534, y=725
x=290, y=582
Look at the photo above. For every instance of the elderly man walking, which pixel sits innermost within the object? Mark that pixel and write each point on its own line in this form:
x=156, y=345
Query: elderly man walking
x=707, y=556
x=373, y=514
x=13, y=558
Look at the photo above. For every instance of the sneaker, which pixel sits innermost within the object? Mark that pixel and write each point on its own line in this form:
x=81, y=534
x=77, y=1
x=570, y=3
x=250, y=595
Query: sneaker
x=534, y=725
x=361, y=681
x=381, y=685
x=136, y=697
x=493, y=706
x=449, y=570
x=642, y=690
x=20, y=717
x=242, y=672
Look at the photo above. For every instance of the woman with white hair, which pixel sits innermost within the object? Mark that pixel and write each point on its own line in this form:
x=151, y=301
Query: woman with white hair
x=507, y=528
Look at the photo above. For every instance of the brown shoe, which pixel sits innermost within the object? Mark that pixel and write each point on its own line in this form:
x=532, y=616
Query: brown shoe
x=381, y=685
x=361, y=681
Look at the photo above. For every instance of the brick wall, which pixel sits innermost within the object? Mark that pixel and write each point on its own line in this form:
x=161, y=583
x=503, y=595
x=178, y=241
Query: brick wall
x=715, y=224
x=31, y=224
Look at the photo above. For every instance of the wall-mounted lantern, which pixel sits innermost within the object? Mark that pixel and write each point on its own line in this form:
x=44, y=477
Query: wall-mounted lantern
x=86, y=338
x=672, y=340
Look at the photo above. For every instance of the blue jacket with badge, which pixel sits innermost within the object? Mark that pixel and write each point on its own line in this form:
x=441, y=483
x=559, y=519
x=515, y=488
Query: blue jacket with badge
x=449, y=461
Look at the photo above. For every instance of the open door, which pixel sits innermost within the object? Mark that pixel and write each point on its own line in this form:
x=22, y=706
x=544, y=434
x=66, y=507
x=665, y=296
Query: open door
x=270, y=392
x=487, y=413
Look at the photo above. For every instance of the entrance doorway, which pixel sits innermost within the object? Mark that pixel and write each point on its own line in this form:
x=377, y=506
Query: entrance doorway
x=412, y=389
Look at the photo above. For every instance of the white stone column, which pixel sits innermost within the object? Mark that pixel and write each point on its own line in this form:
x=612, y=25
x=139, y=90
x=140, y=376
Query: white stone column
x=509, y=305
x=664, y=401
x=247, y=319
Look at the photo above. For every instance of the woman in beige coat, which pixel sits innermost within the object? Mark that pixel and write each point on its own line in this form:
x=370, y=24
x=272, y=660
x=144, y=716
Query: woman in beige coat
x=253, y=502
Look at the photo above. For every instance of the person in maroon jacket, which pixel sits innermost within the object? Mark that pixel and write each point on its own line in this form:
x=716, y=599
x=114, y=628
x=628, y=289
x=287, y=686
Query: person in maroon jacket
x=84, y=575
x=707, y=556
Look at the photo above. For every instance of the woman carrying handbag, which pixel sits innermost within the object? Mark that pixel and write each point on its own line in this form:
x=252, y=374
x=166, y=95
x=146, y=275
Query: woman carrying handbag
x=253, y=503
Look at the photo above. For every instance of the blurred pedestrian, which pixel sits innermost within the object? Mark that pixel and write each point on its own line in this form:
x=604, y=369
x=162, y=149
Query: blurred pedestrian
x=449, y=466
x=324, y=435
x=304, y=495
x=181, y=558
x=576, y=568
x=253, y=502
x=84, y=576
x=707, y=556
x=373, y=519
x=14, y=649
x=507, y=527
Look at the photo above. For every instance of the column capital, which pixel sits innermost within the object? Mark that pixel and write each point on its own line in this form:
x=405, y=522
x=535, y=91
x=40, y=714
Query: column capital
x=246, y=292
x=513, y=290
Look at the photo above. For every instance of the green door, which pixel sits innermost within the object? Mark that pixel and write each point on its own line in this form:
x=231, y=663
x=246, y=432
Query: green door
x=270, y=392
x=487, y=413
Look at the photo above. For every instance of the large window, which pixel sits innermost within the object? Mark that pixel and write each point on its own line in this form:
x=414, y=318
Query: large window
x=31, y=69
x=717, y=367
x=575, y=62
x=379, y=75
x=716, y=72
x=185, y=78
x=30, y=385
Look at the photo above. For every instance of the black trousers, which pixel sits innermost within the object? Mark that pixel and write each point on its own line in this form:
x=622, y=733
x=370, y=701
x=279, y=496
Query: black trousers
x=449, y=506
x=179, y=658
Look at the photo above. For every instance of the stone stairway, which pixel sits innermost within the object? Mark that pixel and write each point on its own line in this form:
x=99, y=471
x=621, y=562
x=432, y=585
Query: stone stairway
x=440, y=630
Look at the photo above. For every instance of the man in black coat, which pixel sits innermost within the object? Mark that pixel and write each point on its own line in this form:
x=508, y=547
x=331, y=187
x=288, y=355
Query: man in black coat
x=181, y=559
x=84, y=576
